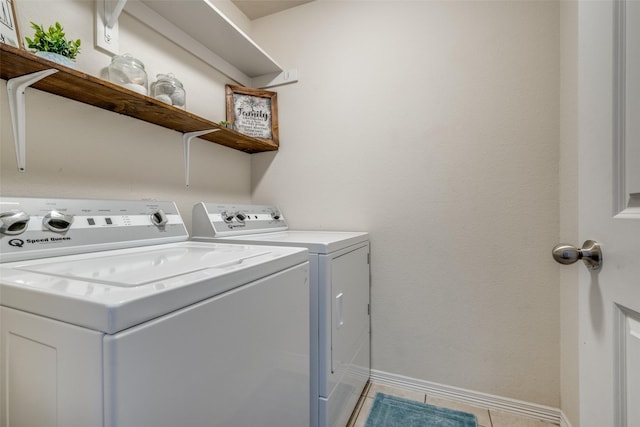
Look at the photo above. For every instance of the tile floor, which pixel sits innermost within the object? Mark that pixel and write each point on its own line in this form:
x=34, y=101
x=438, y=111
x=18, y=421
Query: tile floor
x=486, y=417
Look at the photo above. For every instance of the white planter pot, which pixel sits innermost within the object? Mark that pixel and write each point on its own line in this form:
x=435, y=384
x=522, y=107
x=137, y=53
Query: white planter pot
x=55, y=57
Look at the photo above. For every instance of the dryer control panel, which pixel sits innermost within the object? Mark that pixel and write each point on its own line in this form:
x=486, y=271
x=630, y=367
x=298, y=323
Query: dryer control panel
x=219, y=219
x=36, y=227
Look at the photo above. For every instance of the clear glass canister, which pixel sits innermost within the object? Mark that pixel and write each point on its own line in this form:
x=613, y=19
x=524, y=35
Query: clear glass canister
x=168, y=89
x=129, y=72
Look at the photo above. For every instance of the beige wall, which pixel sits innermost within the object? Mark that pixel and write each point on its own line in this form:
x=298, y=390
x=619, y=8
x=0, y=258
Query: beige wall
x=568, y=185
x=435, y=126
x=74, y=150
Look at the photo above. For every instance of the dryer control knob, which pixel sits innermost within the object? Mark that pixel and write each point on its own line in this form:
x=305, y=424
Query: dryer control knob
x=276, y=215
x=241, y=217
x=57, y=221
x=12, y=223
x=227, y=216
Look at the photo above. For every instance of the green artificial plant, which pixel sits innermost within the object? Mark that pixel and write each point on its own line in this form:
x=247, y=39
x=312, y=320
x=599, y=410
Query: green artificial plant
x=53, y=41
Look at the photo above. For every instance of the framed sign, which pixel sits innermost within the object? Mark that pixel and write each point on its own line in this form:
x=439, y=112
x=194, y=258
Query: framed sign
x=253, y=112
x=9, y=33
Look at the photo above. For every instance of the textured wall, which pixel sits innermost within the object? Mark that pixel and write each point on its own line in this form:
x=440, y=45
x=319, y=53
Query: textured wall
x=569, y=341
x=435, y=126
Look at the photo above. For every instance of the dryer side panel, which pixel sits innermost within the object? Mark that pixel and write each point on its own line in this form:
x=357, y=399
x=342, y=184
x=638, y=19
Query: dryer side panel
x=346, y=362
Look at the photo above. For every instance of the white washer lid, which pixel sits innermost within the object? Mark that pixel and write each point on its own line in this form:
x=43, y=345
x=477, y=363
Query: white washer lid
x=113, y=290
x=317, y=242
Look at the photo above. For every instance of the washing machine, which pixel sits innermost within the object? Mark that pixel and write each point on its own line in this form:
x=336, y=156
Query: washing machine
x=339, y=302
x=110, y=316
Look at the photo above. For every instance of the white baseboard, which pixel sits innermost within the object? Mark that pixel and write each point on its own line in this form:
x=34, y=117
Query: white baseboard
x=475, y=398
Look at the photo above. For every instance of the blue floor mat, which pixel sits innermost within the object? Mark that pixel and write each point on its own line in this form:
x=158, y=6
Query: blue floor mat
x=392, y=411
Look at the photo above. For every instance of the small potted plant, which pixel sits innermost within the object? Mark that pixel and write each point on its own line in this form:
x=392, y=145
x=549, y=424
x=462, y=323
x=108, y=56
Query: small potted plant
x=53, y=45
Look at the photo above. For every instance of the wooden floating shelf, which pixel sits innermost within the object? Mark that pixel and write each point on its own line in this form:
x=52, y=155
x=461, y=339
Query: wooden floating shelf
x=81, y=87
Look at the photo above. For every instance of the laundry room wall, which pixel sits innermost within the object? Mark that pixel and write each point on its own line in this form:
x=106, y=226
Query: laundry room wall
x=434, y=125
x=76, y=150
x=568, y=213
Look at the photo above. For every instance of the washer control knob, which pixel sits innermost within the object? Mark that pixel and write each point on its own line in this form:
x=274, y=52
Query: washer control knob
x=227, y=216
x=57, y=221
x=159, y=218
x=241, y=217
x=276, y=215
x=12, y=223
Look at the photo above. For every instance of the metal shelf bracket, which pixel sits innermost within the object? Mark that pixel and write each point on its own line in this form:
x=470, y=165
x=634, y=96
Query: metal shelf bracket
x=16, y=88
x=186, y=141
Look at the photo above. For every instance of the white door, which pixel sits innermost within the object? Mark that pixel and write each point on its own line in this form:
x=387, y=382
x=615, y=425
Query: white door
x=609, y=203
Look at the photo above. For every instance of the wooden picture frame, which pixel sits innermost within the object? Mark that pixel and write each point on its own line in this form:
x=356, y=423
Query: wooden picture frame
x=9, y=32
x=253, y=112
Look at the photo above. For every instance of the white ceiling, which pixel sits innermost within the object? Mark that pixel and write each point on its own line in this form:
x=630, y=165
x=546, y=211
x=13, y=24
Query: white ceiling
x=258, y=8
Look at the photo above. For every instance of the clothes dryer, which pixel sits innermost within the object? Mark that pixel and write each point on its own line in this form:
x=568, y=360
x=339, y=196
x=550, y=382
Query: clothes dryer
x=109, y=316
x=339, y=303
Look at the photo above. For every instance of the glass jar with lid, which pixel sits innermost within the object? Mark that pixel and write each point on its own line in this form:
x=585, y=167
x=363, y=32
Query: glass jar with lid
x=129, y=72
x=169, y=90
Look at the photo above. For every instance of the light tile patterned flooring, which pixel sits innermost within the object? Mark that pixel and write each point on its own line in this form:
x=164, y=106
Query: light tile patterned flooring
x=486, y=417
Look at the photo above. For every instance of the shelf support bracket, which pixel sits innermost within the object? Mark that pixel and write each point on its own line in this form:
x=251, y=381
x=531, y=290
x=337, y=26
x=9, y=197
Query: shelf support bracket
x=16, y=88
x=116, y=10
x=266, y=81
x=107, y=31
x=186, y=141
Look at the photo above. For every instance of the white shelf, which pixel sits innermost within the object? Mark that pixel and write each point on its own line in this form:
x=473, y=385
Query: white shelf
x=202, y=29
x=205, y=23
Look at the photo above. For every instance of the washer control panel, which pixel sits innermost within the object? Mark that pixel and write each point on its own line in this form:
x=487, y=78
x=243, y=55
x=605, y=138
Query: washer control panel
x=218, y=220
x=36, y=227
